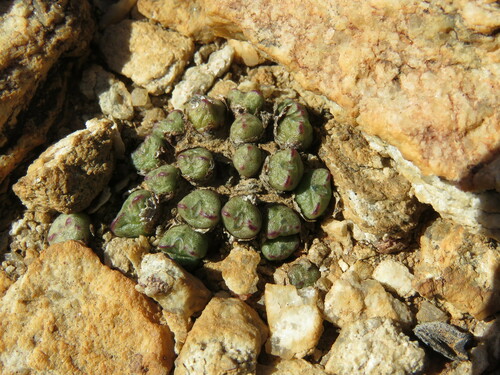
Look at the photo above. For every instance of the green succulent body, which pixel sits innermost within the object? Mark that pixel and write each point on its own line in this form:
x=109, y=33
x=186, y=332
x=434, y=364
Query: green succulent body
x=172, y=126
x=246, y=128
x=147, y=156
x=294, y=130
x=285, y=169
x=281, y=221
x=303, y=274
x=251, y=102
x=69, y=227
x=314, y=193
x=200, y=209
x=206, y=114
x=247, y=159
x=196, y=164
x=137, y=216
x=163, y=180
x=184, y=245
x=241, y=218
x=280, y=248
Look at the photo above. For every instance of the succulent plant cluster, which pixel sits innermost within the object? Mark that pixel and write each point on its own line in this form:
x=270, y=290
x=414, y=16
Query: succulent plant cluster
x=248, y=181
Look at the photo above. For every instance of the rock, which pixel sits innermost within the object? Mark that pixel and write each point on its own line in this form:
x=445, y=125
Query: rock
x=126, y=254
x=112, y=94
x=180, y=326
x=460, y=268
x=33, y=37
x=374, y=347
x=149, y=55
x=198, y=79
x=351, y=299
x=416, y=74
x=444, y=339
x=290, y=367
x=176, y=290
x=430, y=313
x=245, y=53
x=226, y=338
x=71, y=173
x=479, y=212
x=239, y=271
x=395, y=276
x=70, y=314
x=294, y=320
x=376, y=198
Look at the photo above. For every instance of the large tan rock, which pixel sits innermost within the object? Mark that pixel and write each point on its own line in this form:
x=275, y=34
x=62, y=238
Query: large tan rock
x=33, y=36
x=69, y=314
x=460, y=268
x=423, y=76
x=71, y=173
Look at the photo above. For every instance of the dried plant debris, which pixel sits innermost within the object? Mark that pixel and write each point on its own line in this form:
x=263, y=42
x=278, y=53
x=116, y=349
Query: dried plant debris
x=445, y=339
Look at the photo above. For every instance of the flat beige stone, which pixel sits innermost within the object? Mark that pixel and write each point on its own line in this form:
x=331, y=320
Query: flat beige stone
x=70, y=314
x=423, y=76
x=146, y=53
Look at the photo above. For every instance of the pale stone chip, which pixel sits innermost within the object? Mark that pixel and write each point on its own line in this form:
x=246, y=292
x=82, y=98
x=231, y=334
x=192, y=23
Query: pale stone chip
x=198, y=79
x=146, y=53
x=374, y=347
x=246, y=53
x=294, y=320
x=126, y=254
x=112, y=94
x=395, y=276
x=225, y=339
x=176, y=290
x=180, y=326
x=239, y=271
x=351, y=299
x=69, y=314
x=71, y=173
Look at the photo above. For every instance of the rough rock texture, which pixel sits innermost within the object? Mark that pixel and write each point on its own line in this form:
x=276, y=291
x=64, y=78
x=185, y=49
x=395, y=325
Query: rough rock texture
x=33, y=36
x=111, y=93
x=70, y=174
x=198, y=79
x=149, y=55
x=294, y=320
x=376, y=198
x=480, y=212
x=374, y=347
x=459, y=267
x=125, y=254
x=69, y=314
x=226, y=339
x=239, y=271
x=395, y=276
x=421, y=75
x=290, y=367
x=173, y=288
x=351, y=299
